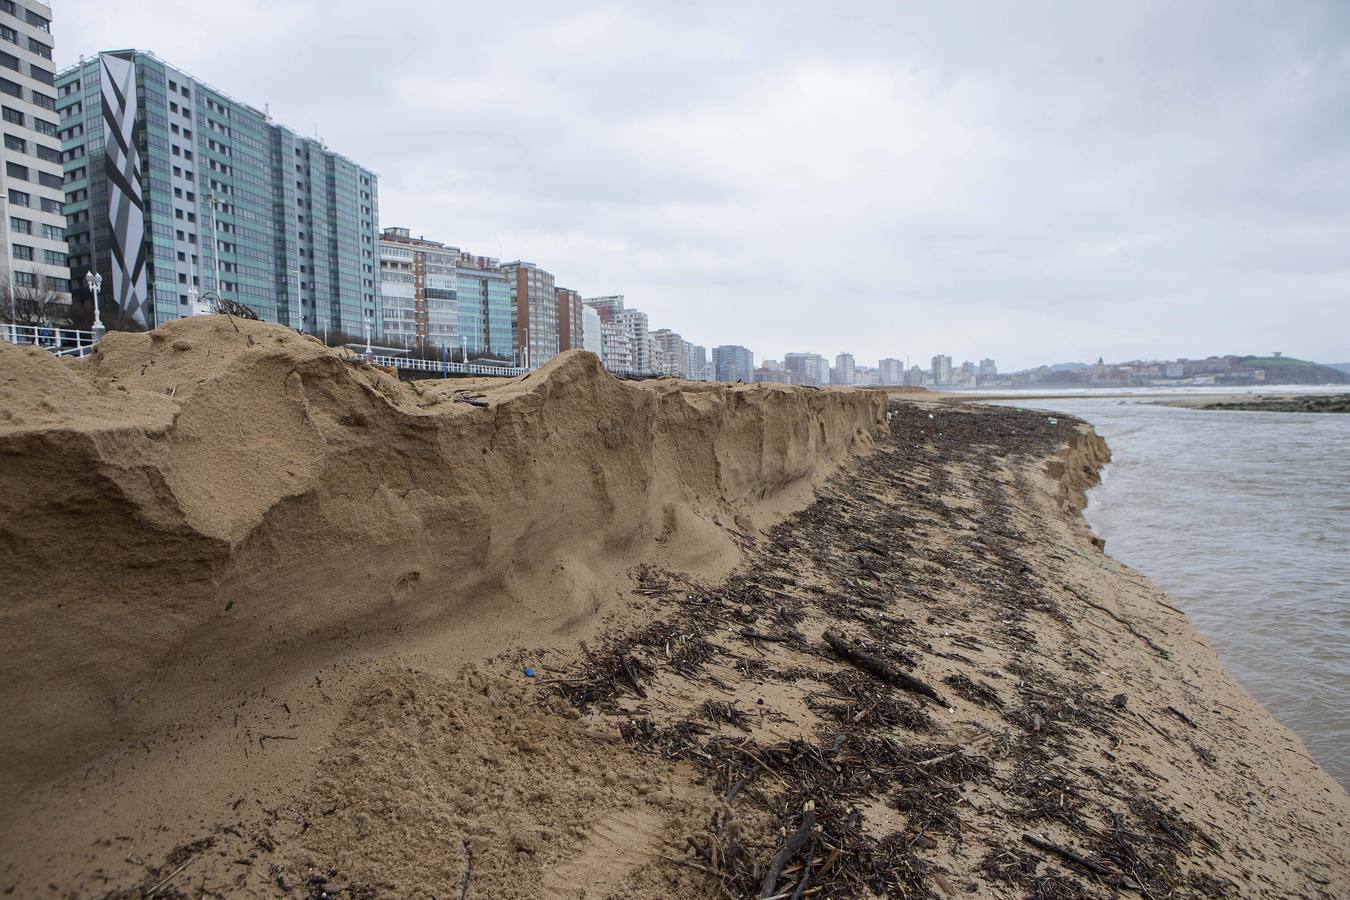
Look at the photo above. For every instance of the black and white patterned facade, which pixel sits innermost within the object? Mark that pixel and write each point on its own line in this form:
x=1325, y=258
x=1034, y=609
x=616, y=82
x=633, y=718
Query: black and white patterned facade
x=126, y=206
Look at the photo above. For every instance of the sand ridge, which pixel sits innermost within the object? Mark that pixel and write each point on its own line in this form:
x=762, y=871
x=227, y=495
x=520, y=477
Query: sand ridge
x=217, y=531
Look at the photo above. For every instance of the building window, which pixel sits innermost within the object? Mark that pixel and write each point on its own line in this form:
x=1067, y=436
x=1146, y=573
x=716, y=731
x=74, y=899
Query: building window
x=13, y=116
x=53, y=232
x=9, y=34
x=24, y=279
x=51, y=206
x=19, y=198
x=37, y=21
x=10, y=87
x=44, y=101
x=42, y=75
x=23, y=252
x=17, y=144
x=54, y=257
x=43, y=127
x=47, y=179
x=9, y=61
x=14, y=170
x=40, y=48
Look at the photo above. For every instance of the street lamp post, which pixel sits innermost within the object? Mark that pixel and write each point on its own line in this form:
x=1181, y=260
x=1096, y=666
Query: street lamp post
x=297, y=304
x=95, y=282
x=369, y=354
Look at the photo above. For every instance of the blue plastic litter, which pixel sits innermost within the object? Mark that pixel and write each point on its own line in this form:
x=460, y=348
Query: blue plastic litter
x=529, y=672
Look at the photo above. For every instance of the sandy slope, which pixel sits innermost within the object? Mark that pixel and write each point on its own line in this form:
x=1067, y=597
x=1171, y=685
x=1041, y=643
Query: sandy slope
x=207, y=532
x=263, y=692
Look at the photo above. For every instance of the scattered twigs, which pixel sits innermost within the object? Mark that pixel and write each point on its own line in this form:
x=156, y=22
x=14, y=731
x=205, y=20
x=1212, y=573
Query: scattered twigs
x=771, y=637
x=789, y=850
x=170, y=877
x=879, y=667
x=1082, y=862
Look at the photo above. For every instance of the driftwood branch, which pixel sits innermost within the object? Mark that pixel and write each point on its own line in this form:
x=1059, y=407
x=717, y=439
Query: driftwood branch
x=879, y=667
x=1081, y=861
x=468, y=868
x=630, y=672
x=789, y=850
x=1149, y=642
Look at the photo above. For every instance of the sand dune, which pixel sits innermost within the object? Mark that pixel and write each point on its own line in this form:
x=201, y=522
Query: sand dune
x=199, y=509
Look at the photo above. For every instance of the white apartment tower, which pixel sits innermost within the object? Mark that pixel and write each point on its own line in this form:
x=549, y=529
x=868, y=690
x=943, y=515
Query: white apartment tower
x=34, y=274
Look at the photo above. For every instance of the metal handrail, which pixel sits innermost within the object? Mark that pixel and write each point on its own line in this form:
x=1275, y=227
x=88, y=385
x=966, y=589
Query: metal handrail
x=60, y=341
x=433, y=365
x=417, y=364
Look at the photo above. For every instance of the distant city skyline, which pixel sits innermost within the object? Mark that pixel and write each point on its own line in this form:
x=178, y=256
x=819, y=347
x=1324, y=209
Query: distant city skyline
x=1114, y=193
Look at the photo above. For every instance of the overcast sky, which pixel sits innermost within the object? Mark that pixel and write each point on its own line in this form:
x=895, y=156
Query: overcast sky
x=1032, y=182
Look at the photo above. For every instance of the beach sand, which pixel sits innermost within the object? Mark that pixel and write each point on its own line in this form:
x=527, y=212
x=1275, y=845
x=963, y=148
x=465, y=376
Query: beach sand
x=275, y=624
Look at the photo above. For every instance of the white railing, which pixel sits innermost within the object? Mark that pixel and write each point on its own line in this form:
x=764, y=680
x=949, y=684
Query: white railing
x=61, y=341
x=415, y=364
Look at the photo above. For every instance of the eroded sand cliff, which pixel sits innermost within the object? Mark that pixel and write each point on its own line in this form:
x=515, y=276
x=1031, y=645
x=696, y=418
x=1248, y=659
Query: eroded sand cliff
x=267, y=613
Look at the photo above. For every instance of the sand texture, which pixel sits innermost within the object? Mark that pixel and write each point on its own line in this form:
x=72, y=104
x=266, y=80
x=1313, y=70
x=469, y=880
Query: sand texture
x=275, y=624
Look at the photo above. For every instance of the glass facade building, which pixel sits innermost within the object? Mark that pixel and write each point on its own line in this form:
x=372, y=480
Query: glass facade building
x=484, y=295
x=230, y=203
x=534, y=299
x=732, y=362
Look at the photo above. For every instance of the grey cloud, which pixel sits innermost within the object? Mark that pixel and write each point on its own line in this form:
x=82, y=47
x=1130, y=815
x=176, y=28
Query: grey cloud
x=1032, y=181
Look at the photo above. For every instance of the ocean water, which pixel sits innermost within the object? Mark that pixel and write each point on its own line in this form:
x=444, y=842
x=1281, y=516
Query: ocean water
x=1244, y=519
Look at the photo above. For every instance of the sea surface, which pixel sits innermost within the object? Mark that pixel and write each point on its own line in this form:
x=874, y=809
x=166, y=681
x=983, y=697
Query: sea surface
x=1244, y=519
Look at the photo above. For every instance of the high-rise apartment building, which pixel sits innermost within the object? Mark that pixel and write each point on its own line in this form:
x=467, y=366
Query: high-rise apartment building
x=417, y=291
x=483, y=300
x=844, y=371
x=590, y=328
x=806, y=368
x=634, y=323
x=174, y=188
x=670, y=358
x=942, y=370
x=916, y=377
x=534, y=299
x=987, y=368
x=732, y=362
x=571, y=329
x=616, y=347
x=605, y=306
x=892, y=372
x=697, y=355
x=34, y=274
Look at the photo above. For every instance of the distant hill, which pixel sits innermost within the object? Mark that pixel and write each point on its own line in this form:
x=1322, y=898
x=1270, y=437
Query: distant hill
x=1341, y=367
x=1285, y=370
